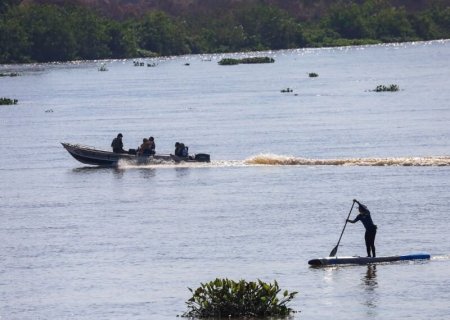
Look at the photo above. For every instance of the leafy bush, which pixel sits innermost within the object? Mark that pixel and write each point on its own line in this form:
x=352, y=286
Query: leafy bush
x=383, y=88
x=228, y=298
x=9, y=74
x=258, y=60
x=8, y=101
x=230, y=61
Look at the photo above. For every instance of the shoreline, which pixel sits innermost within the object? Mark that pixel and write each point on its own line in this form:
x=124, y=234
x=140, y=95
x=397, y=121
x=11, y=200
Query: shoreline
x=220, y=54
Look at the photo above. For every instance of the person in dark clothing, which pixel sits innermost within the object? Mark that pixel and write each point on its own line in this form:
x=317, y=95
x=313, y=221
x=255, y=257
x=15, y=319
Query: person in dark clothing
x=179, y=149
x=371, y=228
x=146, y=148
x=117, y=144
x=152, y=145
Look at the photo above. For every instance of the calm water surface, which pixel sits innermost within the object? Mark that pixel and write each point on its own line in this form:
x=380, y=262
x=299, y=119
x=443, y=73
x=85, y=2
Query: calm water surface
x=79, y=242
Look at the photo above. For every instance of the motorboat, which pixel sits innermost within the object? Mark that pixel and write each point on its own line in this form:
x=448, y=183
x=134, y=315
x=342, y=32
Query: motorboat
x=98, y=157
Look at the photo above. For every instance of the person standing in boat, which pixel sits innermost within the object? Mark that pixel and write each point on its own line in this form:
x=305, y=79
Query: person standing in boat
x=117, y=144
x=152, y=145
x=371, y=228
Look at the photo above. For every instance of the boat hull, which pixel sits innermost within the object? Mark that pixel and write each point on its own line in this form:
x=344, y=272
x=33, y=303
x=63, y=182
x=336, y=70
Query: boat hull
x=330, y=261
x=96, y=157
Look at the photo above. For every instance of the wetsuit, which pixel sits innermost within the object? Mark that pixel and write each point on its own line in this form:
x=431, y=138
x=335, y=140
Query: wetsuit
x=371, y=231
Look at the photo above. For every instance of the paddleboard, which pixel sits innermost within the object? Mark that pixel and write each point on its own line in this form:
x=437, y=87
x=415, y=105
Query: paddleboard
x=366, y=260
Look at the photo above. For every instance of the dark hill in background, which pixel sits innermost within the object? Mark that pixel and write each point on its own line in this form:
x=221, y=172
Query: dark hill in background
x=301, y=9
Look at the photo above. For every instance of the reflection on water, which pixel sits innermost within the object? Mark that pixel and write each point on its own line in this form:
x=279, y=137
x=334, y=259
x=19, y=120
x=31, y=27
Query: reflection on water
x=118, y=172
x=370, y=285
x=182, y=172
x=370, y=278
x=91, y=170
x=147, y=173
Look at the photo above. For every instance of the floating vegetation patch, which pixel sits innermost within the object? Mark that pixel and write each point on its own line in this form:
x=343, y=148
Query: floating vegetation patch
x=224, y=298
x=138, y=63
x=9, y=74
x=231, y=61
x=103, y=68
x=228, y=62
x=390, y=88
x=313, y=75
x=8, y=101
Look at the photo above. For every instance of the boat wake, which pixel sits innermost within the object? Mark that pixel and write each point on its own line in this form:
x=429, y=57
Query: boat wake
x=277, y=160
x=281, y=160
x=441, y=257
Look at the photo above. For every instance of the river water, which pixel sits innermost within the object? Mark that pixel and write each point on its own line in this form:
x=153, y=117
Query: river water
x=78, y=242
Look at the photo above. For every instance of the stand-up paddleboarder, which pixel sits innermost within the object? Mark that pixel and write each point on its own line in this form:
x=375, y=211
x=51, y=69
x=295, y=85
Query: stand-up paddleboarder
x=371, y=228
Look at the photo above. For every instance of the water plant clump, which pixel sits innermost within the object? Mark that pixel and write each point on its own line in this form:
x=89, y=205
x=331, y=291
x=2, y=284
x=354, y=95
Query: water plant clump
x=227, y=298
x=258, y=60
x=103, y=67
x=9, y=74
x=231, y=61
x=228, y=62
x=390, y=88
x=313, y=75
x=8, y=101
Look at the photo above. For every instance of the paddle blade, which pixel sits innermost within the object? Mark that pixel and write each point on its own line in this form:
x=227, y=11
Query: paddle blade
x=333, y=252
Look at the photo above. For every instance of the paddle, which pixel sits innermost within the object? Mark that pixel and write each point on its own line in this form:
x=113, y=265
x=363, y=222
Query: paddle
x=335, y=249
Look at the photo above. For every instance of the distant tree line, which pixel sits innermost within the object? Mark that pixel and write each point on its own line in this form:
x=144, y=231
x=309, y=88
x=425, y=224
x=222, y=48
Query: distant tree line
x=61, y=33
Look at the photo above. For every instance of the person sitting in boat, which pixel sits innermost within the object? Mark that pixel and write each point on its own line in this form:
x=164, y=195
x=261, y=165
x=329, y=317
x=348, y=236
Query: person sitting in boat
x=117, y=144
x=184, y=151
x=152, y=145
x=145, y=148
x=371, y=228
x=181, y=150
x=177, y=151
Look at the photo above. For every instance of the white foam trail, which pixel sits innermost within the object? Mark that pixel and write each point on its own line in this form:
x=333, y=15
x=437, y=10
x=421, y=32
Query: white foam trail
x=281, y=160
x=169, y=164
x=441, y=257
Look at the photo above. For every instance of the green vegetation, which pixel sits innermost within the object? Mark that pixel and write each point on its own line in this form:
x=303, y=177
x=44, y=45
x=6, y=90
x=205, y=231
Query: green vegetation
x=103, y=67
x=390, y=88
x=8, y=101
x=224, y=298
x=9, y=74
x=231, y=61
x=228, y=62
x=42, y=33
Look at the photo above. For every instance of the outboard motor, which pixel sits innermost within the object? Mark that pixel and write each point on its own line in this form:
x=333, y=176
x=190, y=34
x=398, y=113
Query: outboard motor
x=202, y=157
